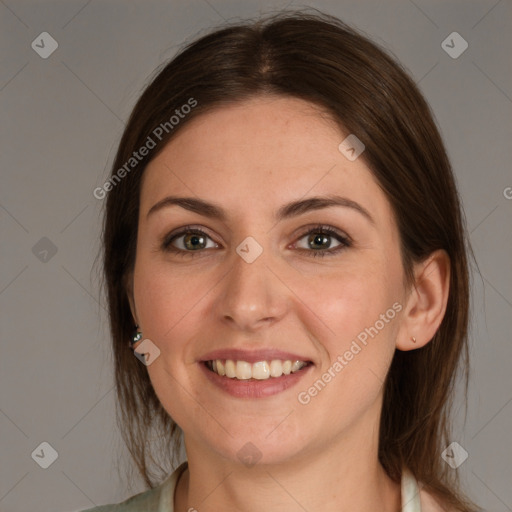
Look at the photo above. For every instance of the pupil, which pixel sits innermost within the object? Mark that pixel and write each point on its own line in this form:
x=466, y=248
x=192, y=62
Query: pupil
x=194, y=240
x=319, y=238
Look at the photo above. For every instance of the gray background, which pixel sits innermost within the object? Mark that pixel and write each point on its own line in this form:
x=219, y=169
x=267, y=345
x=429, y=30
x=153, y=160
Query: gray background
x=61, y=119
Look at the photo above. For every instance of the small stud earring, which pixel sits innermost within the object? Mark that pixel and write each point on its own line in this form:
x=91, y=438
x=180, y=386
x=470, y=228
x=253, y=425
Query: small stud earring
x=413, y=339
x=136, y=336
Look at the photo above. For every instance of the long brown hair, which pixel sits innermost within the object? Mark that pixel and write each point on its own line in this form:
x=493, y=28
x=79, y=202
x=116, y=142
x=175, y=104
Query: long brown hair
x=317, y=58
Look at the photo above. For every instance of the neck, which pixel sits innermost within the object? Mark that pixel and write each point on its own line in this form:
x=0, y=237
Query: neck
x=346, y=476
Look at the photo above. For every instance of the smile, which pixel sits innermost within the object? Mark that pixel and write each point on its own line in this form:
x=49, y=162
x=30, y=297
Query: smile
x=260, y=370
x=260, y=379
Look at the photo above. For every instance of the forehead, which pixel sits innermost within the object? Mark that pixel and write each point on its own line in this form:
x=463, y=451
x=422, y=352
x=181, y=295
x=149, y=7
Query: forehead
x=260, y=153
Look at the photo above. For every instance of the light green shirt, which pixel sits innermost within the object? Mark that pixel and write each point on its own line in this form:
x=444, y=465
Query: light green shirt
x=158, y=499
x=161, y=498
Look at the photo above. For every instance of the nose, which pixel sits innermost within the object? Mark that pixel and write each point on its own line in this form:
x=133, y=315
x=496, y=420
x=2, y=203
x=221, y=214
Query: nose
x=252, y=296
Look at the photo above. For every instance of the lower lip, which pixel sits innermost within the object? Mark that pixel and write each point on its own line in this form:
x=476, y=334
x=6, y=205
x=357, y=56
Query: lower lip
x=254, y=388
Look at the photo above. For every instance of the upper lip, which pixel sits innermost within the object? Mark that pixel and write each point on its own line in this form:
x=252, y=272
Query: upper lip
x=252, y=356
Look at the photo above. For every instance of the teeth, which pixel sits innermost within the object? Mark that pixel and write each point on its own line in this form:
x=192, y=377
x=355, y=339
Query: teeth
x=276, y=368
x=243, y=370
x=296, y=365
x=262, y=370
x=229, y=366
x=220, y=368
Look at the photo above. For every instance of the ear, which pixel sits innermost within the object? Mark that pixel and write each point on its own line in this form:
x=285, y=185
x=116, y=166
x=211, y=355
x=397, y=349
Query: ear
x=128, y=285
x=426, y=305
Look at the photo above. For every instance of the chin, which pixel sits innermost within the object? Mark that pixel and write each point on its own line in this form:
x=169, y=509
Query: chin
x=263, y=447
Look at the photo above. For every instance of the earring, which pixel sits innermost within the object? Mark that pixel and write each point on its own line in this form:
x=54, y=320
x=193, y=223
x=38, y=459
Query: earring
x=413, y=339
x=137, y=336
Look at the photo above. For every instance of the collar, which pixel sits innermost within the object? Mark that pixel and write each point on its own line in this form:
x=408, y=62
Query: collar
x=409, y=490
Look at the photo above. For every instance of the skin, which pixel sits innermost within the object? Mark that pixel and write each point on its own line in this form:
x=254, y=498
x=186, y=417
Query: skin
x=251, y=158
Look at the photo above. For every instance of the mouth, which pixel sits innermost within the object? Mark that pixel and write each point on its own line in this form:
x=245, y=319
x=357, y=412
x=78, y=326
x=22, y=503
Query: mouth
x=258, y=379
x=259, y=370
x=254, y=373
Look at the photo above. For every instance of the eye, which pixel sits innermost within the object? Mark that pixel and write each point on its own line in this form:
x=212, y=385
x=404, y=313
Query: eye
x=190, y=239
x=318, y=239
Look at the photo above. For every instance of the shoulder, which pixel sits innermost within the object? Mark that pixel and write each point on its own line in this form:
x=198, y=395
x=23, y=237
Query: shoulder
x=147, y=500
x=156, y=499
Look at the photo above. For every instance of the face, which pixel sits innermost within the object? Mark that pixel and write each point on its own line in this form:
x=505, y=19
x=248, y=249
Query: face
x=262, y=282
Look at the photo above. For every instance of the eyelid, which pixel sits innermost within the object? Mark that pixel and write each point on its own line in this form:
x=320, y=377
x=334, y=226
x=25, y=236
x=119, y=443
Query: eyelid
x=322, y=228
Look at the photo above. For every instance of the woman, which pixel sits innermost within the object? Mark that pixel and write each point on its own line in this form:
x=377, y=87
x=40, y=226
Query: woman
x=285, y=248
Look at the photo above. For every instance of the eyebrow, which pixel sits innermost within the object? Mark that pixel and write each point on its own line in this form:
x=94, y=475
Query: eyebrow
x=286, y=211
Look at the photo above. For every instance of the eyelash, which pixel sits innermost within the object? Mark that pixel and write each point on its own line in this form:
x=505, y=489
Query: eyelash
x=318, y=229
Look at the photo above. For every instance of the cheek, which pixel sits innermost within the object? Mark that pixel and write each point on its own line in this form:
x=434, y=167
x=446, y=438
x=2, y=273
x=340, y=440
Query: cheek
x=166, y=299
x=360, y=314
x=349, y=301
x=169, y=305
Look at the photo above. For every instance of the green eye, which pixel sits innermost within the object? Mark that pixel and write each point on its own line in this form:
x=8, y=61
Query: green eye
x=196, y=240
x=320, y=235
